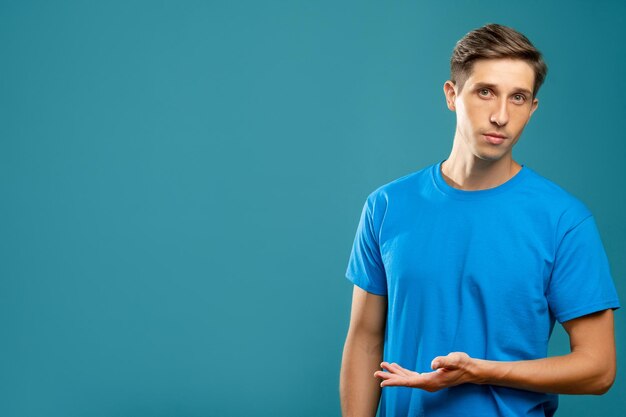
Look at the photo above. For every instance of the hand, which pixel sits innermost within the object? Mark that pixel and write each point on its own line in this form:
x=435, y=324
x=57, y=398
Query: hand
x=454, y=369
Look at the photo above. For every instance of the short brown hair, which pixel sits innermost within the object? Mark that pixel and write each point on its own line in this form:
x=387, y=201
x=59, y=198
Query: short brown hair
x=494, y=41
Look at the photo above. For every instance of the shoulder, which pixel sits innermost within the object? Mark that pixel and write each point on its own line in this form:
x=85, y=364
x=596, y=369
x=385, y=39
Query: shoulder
x=401, y=186
x=394, y=193
x=568, y=209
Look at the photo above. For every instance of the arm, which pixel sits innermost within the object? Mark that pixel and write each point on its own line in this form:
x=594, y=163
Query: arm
x=589, y=368
x=362, y=353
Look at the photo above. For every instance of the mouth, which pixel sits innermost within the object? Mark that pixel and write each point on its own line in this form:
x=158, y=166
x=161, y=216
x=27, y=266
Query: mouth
x=494, y=138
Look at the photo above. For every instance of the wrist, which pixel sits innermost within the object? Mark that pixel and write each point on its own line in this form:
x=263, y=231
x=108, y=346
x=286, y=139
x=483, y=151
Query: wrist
x=482, y=371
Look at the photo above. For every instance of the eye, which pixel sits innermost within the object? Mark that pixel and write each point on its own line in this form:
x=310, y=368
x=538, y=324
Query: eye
x=481, y=90
x=520, y=97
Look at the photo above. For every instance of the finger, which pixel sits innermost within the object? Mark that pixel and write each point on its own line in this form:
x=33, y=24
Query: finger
x=383, y=375
x=394, y=381
x=400, y=370
x=385, y=363
x=395, y=368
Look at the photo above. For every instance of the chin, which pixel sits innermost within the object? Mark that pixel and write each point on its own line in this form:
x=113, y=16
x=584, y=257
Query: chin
x=489, y=157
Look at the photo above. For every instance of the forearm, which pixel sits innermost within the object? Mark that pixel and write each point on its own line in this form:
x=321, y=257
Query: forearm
x=574, y=373
x=590, y=368
x=359, y=389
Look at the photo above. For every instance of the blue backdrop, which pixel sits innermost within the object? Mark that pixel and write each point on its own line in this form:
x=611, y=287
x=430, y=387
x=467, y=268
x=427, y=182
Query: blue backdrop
x=181, y=183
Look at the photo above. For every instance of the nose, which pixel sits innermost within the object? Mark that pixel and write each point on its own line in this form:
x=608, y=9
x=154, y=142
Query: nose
x=500, y=114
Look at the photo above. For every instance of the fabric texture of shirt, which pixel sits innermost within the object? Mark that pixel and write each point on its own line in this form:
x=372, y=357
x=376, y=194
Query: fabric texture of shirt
x=485, y=272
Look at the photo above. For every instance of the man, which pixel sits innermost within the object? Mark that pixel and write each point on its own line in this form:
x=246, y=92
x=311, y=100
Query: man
x=462, y=268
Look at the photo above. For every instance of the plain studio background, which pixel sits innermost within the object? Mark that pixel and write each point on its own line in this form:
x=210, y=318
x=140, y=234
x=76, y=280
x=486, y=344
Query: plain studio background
x=181, y=184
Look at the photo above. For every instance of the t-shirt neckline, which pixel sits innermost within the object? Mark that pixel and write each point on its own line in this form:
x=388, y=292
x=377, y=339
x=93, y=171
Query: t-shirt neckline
x=445, y=188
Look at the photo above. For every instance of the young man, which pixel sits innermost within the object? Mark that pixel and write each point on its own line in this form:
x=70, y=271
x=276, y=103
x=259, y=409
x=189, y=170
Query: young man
x=462, y=268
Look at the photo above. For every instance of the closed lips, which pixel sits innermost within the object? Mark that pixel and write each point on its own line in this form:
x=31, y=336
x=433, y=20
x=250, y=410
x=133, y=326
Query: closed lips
x=497, y=135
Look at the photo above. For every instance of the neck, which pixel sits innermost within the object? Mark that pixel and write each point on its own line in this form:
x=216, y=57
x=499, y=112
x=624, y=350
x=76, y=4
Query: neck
x=465, y=171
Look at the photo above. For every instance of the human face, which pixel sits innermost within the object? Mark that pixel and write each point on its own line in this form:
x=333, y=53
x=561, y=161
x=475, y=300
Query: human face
x=497, y=99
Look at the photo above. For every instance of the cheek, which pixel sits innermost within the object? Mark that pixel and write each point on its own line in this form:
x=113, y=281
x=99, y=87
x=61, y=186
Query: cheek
x=519, y=119
x=477, y=114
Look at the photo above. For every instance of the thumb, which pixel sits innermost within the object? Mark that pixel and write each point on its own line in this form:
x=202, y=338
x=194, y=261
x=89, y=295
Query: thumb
x=438, y=362
x=449, y=361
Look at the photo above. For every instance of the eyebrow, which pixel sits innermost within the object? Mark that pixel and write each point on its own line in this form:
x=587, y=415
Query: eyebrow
x=495, y=87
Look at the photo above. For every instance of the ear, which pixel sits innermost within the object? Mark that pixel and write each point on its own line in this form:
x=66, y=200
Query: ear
x=534, y=107
x=450, y=93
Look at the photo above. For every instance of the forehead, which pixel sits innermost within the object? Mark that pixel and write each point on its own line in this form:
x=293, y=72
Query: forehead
x=505, y=73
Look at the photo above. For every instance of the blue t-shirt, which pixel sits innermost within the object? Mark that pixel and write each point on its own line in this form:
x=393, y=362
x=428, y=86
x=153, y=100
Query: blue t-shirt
x=485, y=272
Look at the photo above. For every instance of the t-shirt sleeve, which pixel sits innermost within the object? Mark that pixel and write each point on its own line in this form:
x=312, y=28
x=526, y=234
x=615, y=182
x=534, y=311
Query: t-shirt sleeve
x=365, y=266
x=581, y=281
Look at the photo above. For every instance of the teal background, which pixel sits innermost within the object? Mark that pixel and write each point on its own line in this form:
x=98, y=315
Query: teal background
x=181, y=183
